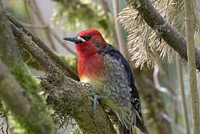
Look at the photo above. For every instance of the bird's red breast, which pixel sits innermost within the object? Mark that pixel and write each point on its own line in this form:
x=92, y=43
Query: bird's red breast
x=90, y=67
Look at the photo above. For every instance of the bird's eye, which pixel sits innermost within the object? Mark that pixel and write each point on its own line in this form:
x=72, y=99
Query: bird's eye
x=87, y=37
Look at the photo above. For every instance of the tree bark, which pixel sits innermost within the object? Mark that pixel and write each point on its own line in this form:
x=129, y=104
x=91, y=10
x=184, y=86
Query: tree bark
x=62, y=65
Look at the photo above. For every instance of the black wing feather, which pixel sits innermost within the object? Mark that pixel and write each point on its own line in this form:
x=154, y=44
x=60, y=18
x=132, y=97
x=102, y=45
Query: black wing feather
x=116, y=54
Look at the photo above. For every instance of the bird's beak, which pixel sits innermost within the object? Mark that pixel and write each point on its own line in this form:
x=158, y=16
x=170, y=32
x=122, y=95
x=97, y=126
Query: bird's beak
x=76, y=39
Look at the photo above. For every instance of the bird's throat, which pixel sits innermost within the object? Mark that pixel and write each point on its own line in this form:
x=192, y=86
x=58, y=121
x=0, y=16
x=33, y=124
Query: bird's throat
x=90, y=67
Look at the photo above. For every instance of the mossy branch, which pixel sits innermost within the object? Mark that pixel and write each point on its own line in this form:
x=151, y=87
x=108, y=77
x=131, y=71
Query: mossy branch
x=62, y=65
x=68, y=97
x=13, y=96
x=20, y=97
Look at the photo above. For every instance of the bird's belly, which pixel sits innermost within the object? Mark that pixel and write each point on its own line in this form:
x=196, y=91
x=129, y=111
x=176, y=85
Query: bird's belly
x=115, y=97
x=100, y=89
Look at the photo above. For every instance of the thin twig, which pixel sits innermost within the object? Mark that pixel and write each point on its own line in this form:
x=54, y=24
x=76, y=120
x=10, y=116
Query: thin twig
x=180, y=74
x=33, y=26
x=50, y=30
x=121, y=43
x=41, y=19
x=182, y=93
x=108, y=21
x=156, y=81
x=52, y=33
x=168, y=91
x=60, y=41
x=27, y=9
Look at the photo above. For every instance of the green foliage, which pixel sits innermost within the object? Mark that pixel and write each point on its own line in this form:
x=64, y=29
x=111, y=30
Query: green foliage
x=76, y=14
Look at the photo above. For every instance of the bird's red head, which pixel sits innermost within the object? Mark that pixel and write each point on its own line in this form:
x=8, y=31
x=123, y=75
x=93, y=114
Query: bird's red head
x=88, y=42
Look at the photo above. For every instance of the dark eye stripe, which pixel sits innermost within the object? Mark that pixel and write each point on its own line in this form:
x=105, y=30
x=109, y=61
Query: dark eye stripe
x=87, y=37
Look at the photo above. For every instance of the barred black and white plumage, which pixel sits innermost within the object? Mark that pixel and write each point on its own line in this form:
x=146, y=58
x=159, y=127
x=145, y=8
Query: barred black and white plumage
x=128, y=98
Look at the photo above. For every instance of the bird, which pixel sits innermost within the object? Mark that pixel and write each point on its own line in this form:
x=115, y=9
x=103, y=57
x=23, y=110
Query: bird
x=110, y=75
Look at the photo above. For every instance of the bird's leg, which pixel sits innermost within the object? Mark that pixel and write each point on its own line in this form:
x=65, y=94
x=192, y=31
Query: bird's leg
x=96, y=97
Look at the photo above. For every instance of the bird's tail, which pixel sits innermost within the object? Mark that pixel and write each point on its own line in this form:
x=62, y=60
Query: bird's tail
x=123, y=129
x=140, y=124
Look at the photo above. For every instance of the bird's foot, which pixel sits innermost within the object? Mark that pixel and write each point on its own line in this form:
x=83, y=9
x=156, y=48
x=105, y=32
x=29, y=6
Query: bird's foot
x=96, y=97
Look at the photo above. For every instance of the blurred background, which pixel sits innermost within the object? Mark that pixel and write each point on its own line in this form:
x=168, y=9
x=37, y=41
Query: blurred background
x=154, y=63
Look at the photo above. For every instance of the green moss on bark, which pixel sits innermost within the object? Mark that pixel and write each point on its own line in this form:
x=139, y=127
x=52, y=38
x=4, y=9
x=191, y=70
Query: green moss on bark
x=31, y=87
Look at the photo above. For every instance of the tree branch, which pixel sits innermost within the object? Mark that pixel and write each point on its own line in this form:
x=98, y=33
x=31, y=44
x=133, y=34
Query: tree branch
x=69, y=96
x=62, y=65
x=168, y=33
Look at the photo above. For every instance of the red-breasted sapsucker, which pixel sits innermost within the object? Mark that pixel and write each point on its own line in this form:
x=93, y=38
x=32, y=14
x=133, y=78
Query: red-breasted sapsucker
x=104, y=67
